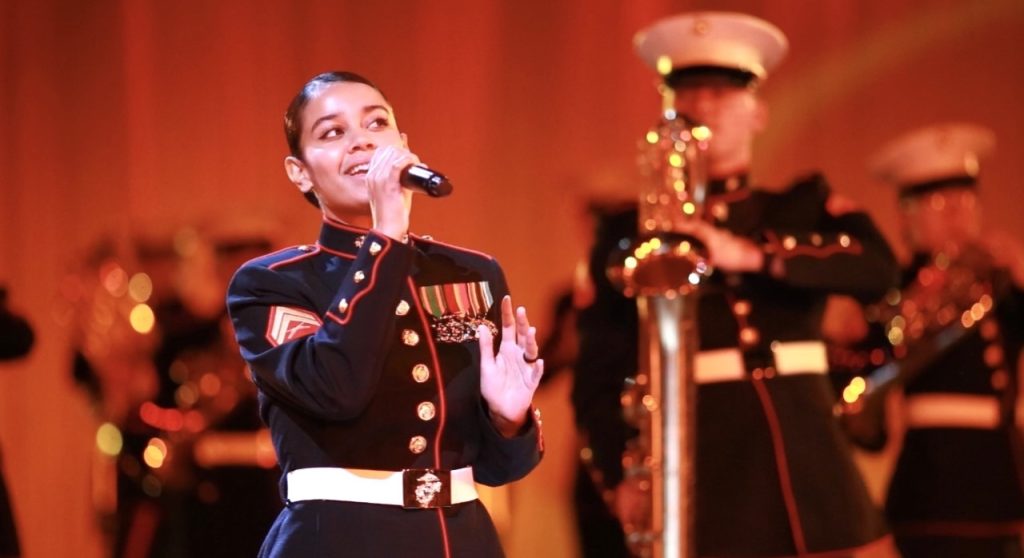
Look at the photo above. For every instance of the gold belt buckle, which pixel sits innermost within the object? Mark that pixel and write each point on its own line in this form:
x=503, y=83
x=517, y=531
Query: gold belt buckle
x=426, y=488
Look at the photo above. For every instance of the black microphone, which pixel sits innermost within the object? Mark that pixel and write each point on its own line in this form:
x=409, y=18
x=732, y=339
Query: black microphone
x=423, y=179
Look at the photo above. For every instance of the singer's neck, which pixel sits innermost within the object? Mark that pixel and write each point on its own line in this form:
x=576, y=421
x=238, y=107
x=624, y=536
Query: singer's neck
x=361, y=221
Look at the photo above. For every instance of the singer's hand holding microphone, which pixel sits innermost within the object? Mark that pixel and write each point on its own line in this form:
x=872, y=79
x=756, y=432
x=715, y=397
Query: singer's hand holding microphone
x=393, y=174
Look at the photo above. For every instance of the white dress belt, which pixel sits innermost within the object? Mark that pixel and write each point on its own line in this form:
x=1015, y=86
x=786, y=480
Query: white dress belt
x=367, y=486
x=951, y=410
x=726, y=365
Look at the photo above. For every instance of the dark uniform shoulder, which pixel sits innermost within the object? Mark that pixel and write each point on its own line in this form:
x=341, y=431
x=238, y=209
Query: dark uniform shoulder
x=805, y=196
x=284, y=256
x=428, y=242
x=261, y=268
x=811, y=185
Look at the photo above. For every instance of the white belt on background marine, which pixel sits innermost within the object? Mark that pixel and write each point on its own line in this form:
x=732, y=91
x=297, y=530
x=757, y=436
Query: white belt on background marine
x=727, y=365
x=951, y=410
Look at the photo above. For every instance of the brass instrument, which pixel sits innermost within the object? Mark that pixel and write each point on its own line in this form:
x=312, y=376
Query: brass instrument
x=947, y=298
x=662, y=269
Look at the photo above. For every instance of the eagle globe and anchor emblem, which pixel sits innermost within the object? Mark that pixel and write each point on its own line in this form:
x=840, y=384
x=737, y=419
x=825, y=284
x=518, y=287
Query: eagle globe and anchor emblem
x=427, y=488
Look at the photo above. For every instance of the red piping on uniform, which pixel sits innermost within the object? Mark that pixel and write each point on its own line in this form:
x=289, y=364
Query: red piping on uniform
x=783, y=467
x=774, y=247
x=823, y=252
x=855, y=550
x=970, y=529
x=836, y=553
x=444, y=533
x=453, y=247
x=335, y=252
x=294, y=259
x=141, y=531
x=441, y=402
x=368, y=288
x=437, y=375
x=813, y=251
x=728, y=197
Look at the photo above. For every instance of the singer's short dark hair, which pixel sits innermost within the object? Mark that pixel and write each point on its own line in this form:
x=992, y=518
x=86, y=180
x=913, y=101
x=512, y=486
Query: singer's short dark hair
x=293, y=116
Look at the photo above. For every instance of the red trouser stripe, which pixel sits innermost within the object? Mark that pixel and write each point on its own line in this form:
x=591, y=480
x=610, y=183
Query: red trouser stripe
x=782, y=465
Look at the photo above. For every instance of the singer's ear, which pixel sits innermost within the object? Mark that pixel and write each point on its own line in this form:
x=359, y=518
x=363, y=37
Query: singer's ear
x=297, y=173
x=405, y=140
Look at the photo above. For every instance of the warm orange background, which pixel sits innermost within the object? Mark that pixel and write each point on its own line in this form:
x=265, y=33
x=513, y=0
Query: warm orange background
x=142, y=116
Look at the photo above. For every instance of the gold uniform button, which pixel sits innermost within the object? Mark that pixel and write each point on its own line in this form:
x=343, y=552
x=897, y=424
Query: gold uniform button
x=993, y=355
x=741, y=308
x=359, y=276
x=816, y=239
x=359, y=241
x=425, y=410
x=410, y=337
x=989, y=330
x=789, y=242
x=420, y=373
x=844, y=240
x=402, y=309
x=375, y=248
x=720, y=211
x=749, y=335
x=1000, y=379
x=343, y=305
x=417, y=444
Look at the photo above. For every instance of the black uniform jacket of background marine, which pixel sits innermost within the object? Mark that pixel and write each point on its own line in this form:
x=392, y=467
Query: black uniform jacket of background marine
x=364, y=352
x=966, y=480
x=774, y=477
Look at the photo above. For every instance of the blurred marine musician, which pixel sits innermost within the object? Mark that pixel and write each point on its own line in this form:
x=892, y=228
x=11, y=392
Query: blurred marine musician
x=955, y=329
x=774, y=475
x=16, y=339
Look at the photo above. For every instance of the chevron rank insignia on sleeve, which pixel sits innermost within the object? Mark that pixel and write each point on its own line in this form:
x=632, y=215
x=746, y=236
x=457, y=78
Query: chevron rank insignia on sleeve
x=287, y=324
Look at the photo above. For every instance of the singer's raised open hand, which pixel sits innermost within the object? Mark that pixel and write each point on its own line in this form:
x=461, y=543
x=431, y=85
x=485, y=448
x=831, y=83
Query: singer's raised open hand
x=508, y=380
x=390, y=204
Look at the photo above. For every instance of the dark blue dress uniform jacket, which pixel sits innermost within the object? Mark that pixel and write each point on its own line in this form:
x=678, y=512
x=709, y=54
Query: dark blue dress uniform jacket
x=774, y=472
x=967, y=482
x=350, y=374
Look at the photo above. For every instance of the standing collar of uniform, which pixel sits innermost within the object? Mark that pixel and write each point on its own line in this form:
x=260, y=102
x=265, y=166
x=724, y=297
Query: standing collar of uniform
x=336, y=236
x=735, y=183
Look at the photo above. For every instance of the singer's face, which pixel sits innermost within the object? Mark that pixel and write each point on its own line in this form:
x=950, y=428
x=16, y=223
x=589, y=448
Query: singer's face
x=735, y=116
x=342, y=127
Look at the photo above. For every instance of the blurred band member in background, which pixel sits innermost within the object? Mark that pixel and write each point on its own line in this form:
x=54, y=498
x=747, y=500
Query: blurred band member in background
x=774, y=473
x=956, y=329
x=16, y=339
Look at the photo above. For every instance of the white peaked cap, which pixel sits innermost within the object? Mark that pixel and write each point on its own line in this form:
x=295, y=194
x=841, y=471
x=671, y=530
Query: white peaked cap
x=718, y=39
x=931, y=153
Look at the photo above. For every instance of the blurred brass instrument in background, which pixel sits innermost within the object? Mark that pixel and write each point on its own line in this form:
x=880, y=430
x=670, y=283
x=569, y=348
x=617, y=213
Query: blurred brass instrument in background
x=947, y=299
x=170, y=392
x=662, y=268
